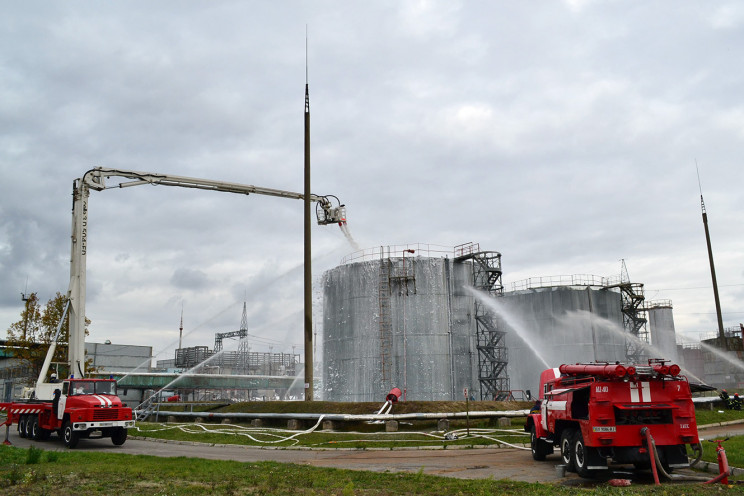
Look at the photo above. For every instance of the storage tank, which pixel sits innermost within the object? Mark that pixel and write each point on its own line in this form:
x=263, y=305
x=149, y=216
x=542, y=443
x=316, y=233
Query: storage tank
x=661, y=327
x=422, y=337
x=561, y=319
x=398, y=317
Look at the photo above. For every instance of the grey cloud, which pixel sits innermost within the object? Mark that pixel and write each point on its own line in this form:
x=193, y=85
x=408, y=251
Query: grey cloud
x=189, y=279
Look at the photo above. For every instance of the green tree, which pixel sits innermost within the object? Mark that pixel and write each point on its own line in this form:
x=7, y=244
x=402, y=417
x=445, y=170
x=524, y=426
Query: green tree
x=31, y=336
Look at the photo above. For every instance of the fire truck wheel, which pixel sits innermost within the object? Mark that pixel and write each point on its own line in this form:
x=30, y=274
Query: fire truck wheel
x=119, y=436
x=540, y=449
x=71, y=437
x=22, y=426
x=567, y=458
x=581, y=456
x=35, y=429
x=27, y=427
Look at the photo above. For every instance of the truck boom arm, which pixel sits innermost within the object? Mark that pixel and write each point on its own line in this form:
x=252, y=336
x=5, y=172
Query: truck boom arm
x=95, y=179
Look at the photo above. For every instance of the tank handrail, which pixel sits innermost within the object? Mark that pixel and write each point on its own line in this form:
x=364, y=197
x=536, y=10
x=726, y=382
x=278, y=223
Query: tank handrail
x=564, y=280
x=399, y=251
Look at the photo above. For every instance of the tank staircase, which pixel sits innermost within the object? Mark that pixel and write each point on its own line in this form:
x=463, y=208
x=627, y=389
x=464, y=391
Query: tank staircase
x=634, y=316
x=145, y=408
x=634, y=321
x=493, y=355
x=385, y=325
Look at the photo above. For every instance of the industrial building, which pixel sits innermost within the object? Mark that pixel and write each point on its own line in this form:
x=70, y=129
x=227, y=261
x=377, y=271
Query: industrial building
x=109, y=357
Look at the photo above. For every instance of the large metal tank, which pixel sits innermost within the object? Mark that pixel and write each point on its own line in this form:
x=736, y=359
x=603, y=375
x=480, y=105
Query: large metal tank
x=661, y=327
x=398, y=317
x=422, y=339
x=565, y=319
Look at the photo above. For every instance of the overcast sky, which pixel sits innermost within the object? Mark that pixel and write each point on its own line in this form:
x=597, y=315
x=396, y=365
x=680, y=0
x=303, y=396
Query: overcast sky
x=562, y=134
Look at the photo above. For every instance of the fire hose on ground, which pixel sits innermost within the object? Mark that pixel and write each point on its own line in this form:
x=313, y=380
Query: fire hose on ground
x=279, y=435
x=657, y=467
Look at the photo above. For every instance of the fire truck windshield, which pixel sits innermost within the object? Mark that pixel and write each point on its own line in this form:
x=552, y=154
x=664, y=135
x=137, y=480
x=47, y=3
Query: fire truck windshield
x=93, y=387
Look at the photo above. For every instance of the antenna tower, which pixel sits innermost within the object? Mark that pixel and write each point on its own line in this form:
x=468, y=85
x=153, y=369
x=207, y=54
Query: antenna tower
x=180, y=330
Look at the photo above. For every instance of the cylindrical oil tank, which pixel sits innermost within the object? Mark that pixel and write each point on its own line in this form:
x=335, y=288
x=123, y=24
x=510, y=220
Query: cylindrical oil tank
x=661, y=328
x=401, y=319
x=550, y=326
x=692, y=360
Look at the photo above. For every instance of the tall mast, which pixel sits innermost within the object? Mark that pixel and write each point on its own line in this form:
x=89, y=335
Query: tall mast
x=721, y=335
x=308, y=274
x=180, y=330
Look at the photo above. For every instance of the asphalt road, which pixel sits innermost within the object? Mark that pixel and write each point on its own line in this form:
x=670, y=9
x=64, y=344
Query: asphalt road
x=476, y=463
x=499, y=463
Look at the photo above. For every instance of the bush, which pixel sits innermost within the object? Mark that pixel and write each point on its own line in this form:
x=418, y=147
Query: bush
x=33, y=456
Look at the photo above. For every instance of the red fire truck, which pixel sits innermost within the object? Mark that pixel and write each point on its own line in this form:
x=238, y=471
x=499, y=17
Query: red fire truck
x=601, y=413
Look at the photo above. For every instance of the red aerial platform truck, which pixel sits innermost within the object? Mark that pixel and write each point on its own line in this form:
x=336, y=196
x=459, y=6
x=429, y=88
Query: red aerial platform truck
x=81, y=407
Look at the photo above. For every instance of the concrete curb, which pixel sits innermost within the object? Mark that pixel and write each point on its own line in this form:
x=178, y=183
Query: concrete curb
x=310, y=448
x=721, y=424
x=712, y=468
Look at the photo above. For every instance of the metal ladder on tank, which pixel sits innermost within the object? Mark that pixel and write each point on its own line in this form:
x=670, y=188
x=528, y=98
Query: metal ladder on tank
x=385, y=320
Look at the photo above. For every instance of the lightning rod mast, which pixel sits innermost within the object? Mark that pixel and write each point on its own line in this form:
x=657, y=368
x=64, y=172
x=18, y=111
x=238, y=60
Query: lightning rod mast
x=721, y=335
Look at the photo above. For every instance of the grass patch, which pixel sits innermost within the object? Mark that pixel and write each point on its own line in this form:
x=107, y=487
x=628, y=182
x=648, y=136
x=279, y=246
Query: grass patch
x=734, y=451
x=704, y=417
x=88, y=473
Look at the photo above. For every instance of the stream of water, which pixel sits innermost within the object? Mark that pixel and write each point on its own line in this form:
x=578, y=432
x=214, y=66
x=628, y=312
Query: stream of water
x=514, y=322
x=619, y=331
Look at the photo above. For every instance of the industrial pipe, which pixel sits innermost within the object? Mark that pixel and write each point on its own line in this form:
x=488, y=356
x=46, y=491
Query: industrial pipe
x=348, y=417
x=615, y=370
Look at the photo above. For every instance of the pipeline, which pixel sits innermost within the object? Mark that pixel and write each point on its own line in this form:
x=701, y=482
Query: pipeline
x=349, y=418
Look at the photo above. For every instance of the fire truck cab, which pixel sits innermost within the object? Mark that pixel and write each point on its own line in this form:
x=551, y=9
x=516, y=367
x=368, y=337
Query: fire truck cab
x=596, y=414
